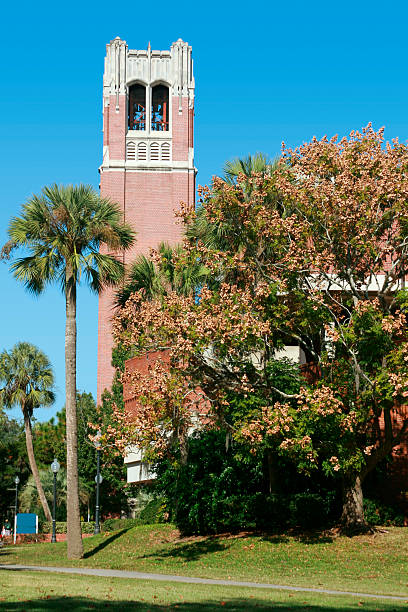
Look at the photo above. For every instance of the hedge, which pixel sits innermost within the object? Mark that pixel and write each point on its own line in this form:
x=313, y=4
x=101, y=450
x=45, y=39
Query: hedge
x=61, y=527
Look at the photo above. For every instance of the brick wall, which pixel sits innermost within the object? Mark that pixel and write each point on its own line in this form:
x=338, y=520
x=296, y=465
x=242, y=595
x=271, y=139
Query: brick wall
x=181, y=129
x=199, y=405
x=396, y=486
x=142, y=365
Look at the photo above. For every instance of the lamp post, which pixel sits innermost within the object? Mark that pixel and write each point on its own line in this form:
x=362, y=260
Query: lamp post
x=98, y=479
x=55, y=466
x=16, y=480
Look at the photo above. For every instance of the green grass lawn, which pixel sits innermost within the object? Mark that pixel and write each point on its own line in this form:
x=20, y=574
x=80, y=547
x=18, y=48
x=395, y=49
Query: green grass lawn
x=33, y=591
x=372, y=563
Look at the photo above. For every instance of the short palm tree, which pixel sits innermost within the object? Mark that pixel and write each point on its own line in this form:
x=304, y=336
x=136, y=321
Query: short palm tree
x=218, y=235
x=168, y=275
x=26, y=380
x=212, y=235
x=63, y=229
x=246, y=166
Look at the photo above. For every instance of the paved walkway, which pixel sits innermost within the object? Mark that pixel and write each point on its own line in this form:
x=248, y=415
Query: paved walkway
x=84, y=571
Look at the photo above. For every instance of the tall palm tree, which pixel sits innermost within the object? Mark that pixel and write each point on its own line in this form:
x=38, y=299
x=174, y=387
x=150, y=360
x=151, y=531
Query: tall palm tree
x=26, y=380
x=63, y=229
x=168, y=275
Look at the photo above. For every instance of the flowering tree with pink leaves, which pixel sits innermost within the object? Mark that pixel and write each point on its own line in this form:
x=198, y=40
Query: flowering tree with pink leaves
x=314, y=253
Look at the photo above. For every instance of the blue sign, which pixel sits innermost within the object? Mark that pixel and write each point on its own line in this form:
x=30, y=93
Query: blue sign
x=26, y=523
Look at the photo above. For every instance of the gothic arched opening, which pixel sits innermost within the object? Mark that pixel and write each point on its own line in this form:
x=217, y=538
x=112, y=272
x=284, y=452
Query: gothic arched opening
x=160, y=108
x=137, y=107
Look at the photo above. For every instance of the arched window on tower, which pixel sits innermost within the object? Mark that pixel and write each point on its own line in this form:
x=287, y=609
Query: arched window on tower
x=160, y=108
x=137, y=107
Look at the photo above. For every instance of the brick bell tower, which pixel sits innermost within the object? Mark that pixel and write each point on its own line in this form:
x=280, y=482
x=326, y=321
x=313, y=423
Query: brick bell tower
x=148, y=155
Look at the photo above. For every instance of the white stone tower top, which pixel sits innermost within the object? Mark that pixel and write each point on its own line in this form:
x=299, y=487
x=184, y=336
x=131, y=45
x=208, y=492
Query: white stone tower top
x=124, y=66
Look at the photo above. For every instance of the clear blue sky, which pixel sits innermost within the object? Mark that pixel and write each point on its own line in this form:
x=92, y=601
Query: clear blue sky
x=265, y=72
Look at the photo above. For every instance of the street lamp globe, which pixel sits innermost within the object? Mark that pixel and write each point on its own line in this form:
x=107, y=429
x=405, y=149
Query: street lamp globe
x=55, y=466
x=97, y=441
x=16, y=480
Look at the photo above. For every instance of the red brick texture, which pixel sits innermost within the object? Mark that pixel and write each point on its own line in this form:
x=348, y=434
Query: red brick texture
x=116, y=128
x=396, y=485
x=142, y=365
x=38, y=537
x=199, y=406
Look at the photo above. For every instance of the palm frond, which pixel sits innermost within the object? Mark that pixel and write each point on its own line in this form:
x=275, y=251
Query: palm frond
x=173, y=272
x=246, y=165
x=65, y=226
x=142, y=276
x=212, y=235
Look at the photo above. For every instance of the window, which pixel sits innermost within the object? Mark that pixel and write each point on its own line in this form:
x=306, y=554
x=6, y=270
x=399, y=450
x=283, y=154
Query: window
x=160, y=108
x=137, y=107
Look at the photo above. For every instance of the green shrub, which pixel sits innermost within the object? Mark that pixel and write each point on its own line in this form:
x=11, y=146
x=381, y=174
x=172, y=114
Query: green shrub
x=214, y=491
x=307, y=510
x=221, y=489
x=153, y=512
x=46, y=527
x=271, y=511
x=377, y=513
x=88, y=527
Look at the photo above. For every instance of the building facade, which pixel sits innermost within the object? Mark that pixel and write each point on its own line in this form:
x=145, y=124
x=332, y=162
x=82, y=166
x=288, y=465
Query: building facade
x=148, y=155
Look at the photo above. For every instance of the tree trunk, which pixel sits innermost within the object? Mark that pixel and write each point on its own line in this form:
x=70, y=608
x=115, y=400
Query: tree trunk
x=183, y=447
x=273, y=484
x=74, y=535
x=33, y=466
x=352, y=517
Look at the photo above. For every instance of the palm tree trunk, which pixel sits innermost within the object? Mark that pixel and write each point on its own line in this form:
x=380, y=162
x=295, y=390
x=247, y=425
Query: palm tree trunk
x=74, y=535
x=33, y=466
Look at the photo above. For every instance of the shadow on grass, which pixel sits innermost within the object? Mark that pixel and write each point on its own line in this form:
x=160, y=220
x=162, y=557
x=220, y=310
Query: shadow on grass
x=313, y=537
x=278, y=537
x=191, y=551
x=81, y=604
x=4, y=552
x=105, y=543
